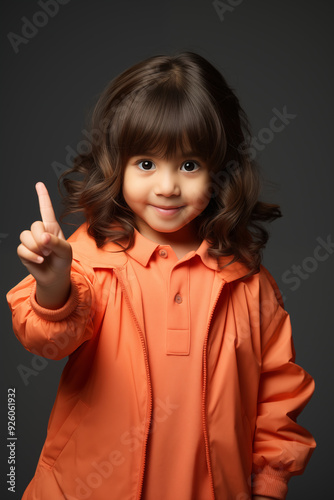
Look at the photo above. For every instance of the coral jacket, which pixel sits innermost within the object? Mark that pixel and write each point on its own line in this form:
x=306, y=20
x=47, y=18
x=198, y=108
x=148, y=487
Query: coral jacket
x=99, y=426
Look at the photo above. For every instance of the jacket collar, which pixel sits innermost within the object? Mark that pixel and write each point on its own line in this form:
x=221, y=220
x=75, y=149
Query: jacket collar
x=110, y=255
x=85, y=250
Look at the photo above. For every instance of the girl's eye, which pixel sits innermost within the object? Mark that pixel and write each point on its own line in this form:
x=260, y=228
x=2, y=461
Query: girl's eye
x=146, y=165
x=190, y=166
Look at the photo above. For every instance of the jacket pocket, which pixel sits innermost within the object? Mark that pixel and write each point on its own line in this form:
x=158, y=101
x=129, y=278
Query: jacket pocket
x=52, y=448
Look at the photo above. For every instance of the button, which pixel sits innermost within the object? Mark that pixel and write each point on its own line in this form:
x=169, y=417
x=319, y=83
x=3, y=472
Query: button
x=178, y=298
x=163, y=253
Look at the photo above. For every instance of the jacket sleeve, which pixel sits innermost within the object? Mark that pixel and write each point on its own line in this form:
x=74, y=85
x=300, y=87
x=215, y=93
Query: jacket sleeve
x=281, y=447
x=53, y=334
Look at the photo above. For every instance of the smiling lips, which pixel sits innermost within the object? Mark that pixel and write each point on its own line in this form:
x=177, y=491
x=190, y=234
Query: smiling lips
x=167, y=210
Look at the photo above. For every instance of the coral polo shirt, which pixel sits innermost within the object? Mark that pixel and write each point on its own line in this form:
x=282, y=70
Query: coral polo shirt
x=176, y=298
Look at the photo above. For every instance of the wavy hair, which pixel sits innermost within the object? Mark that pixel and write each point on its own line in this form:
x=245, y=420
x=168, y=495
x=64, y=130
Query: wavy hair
x=162, y=106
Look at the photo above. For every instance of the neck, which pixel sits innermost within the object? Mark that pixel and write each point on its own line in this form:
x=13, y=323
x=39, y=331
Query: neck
x=183, y=241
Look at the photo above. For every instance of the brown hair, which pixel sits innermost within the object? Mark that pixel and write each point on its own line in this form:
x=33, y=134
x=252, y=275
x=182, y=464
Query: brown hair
x=160, y=106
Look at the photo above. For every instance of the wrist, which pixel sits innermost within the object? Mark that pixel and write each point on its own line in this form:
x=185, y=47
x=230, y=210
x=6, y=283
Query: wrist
x=54, y=296
x=260, y=497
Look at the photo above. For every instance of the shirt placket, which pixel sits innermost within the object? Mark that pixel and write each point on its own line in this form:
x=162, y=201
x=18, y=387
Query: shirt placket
x=178, y=312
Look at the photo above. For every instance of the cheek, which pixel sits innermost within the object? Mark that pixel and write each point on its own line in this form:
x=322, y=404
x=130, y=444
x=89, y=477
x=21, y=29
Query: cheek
x=130, y=189
x=201, y=195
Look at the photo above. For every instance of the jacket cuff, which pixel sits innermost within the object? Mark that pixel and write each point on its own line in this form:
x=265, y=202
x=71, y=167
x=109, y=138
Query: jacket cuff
x=56, y=314
x=270, y=482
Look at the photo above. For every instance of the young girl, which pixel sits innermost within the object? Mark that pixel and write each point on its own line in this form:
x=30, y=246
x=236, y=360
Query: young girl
x=181, y=382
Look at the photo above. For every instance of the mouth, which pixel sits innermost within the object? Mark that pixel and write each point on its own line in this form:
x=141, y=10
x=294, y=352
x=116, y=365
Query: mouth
x=167, y=210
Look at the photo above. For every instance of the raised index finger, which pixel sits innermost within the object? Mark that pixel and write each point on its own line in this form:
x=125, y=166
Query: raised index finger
x=45, y=205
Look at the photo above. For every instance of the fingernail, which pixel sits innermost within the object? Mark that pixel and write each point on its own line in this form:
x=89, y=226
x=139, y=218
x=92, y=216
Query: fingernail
x=39, y=259
x=46, y=252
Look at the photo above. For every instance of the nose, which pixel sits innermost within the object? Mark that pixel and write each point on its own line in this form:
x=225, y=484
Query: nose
x=167, y=184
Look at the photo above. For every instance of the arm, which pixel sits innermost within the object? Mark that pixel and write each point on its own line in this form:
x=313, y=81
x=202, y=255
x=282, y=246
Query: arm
x=281, y=447
x=53, y=333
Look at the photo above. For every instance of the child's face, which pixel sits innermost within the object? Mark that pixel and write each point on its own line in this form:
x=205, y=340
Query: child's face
x=166, y=196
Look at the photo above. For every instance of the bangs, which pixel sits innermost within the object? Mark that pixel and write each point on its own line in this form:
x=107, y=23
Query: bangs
x=166, y=120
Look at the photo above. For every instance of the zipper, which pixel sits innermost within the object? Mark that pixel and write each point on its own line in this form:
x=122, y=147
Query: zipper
x=206, y=438
x=150, y=404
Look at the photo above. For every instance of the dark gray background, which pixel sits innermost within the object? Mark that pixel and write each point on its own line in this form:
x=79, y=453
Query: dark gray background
x=274, y=54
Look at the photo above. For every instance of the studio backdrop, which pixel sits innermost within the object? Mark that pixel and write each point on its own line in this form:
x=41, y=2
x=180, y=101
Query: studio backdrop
x=57, y=57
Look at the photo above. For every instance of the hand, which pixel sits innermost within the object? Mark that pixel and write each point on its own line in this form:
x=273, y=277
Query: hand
x=46, y=254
